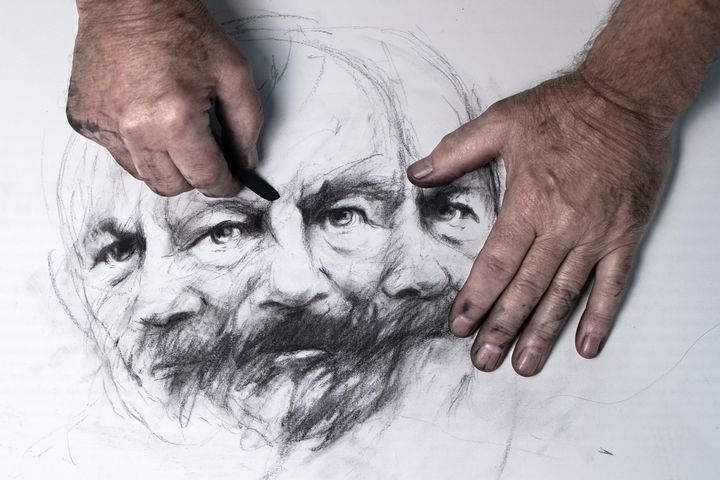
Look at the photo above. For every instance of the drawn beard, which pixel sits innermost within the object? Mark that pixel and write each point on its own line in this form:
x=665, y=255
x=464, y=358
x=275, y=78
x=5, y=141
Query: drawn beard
x=299, y=375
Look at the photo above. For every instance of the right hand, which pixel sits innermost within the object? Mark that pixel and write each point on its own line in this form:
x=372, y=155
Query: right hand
x=584, y=176
x=146, y=74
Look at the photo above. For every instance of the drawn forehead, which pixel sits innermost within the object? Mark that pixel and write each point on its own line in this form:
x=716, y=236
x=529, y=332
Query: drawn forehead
x=113, y=194
x=325, y=118
x=315, y=81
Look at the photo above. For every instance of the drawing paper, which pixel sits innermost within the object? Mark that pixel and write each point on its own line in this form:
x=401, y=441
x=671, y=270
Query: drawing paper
x=306, y=338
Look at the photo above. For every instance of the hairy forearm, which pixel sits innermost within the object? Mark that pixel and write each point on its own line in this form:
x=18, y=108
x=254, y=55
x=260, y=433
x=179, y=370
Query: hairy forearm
x=120, y=13
x=138, y=5
x=652, y=55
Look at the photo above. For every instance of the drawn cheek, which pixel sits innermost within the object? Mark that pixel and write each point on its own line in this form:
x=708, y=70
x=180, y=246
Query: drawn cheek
x=352, y=277
x=358, y=244
x=231, y=285
x=214, y=259
x=105, y=290
x=115, y=315
x=109, y=277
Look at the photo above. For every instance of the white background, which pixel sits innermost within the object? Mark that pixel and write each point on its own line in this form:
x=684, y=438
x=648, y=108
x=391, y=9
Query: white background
x=652, y=399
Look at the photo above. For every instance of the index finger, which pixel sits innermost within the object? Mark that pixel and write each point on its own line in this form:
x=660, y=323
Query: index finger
x=240, y=112
x=493, y=269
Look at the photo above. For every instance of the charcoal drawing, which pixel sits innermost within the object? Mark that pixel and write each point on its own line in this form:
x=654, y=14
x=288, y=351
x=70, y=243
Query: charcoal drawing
x=295, y=319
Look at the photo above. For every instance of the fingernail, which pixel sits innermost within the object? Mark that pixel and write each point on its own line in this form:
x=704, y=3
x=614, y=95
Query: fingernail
x=591, y=345
x=420, y=169
x=462, y=324
x=529, y=361
x=487, y=357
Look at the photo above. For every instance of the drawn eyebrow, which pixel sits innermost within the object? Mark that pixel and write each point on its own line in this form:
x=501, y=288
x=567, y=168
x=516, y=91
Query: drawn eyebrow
x=109, y=226
x=233, y=206
x=230, y=206
x=456, y=188
x=386, y=190
x=96, y=239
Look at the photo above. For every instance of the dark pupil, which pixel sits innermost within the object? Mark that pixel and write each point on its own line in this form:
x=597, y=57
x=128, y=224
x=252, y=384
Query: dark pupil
x=221, y=233
x=341, y=218
x=122, y=250
x=446, y=211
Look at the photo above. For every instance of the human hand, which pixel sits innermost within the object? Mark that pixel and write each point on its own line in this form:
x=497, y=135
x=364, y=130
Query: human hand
x=146, y=74
x=583, y=179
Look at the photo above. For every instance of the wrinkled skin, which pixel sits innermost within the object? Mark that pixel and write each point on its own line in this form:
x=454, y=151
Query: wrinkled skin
x=146, y=75
x=583, y=180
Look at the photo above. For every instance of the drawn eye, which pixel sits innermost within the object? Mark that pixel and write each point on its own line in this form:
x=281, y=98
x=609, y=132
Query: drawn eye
x=345, y=217
x=454, y=211
x=117, y=252
x=225, y=232
x=222, y=244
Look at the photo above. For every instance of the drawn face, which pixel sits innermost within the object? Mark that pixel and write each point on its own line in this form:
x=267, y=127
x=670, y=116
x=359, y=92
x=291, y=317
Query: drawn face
x=292, y=316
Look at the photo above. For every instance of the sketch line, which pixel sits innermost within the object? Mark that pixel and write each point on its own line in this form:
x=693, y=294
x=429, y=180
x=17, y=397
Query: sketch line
x=647, y=387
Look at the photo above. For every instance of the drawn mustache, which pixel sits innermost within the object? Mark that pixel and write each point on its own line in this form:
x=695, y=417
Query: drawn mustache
x=340, y=363
x=366, y=327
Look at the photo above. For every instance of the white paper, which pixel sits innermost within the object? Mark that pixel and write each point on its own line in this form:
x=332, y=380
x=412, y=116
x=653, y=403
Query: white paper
x=71, y=408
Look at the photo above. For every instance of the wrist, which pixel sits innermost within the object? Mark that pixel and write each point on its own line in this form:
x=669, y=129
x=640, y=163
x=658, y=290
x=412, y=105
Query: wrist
x=653, y=107
x=652, y=56
x=612, y=117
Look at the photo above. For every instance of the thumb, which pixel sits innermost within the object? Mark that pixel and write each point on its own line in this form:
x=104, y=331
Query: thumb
x=468, y=148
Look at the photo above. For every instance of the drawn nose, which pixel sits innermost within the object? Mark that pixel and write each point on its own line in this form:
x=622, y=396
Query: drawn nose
x=165, y=300
x=169, y=308
x=294, y=280
x=426, y=280
x=414, y=272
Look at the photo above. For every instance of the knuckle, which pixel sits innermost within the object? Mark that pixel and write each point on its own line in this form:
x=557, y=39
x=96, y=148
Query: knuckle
x=204, y=179
x=564, y=293
x=597, y=320
x=548, y=328
x=525, y=287
x=450, y=143
x=500, y=331
x=572, y=220
x=131, y=124
x=471, y=306
x=512, y=311
x=165, y=184
x=612, y=285
x=175, y=117
x=497, y=265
